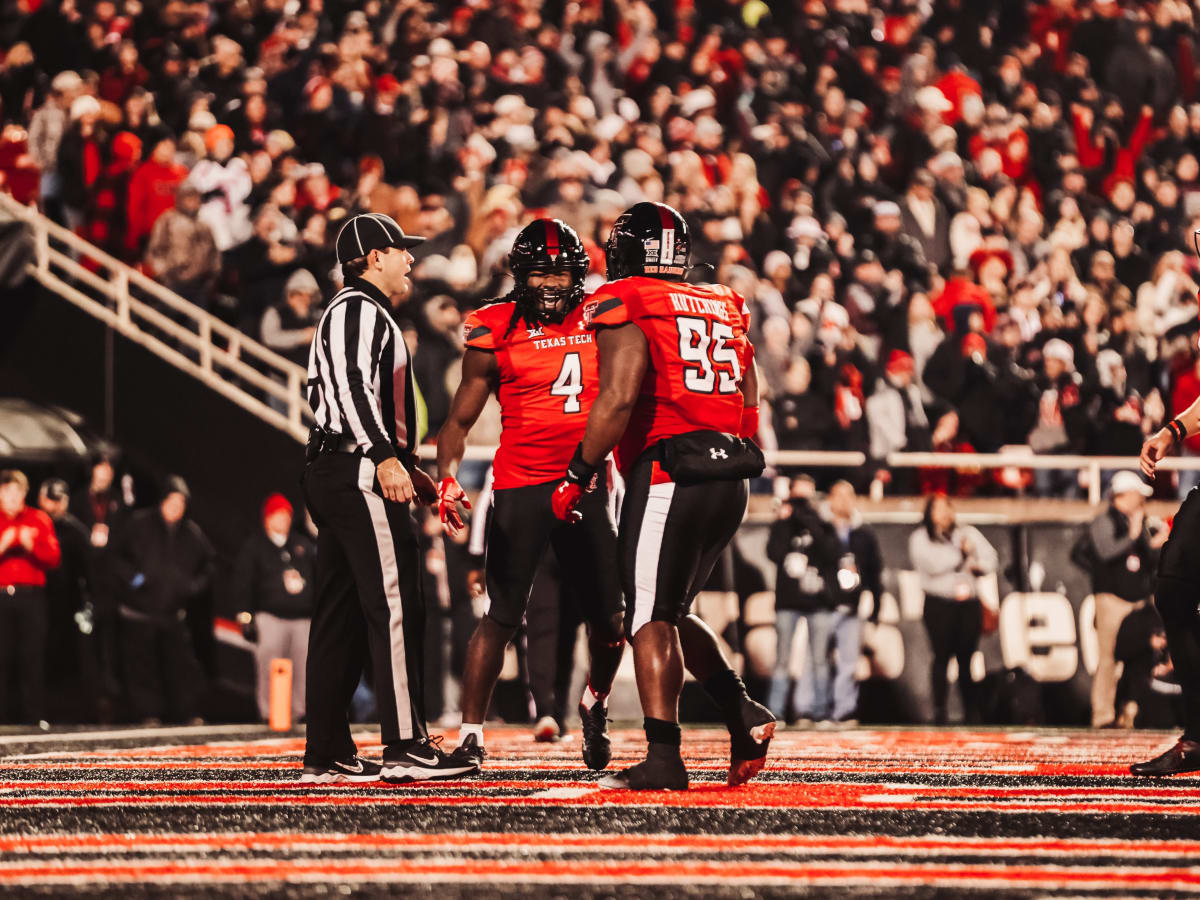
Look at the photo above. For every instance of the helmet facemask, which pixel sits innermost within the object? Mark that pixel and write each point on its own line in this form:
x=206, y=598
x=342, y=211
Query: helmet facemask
x=546, y=303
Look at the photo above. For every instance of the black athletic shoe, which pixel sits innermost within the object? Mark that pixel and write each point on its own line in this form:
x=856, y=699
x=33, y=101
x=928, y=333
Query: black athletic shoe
x=597, y=748
x=341, y=771
x=751, y=728
x=1183, y=757
x=422, y=760
x=661, y=770
x=469, y=752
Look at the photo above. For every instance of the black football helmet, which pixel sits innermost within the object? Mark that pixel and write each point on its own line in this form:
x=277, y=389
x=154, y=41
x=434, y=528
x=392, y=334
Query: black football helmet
x=648, y=239
x=547, y=245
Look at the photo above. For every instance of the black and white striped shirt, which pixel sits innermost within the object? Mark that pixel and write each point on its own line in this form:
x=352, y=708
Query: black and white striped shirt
x=359, y=379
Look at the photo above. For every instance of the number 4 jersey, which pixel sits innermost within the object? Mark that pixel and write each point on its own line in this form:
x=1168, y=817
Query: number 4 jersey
x=699, y=351
x=547, y=385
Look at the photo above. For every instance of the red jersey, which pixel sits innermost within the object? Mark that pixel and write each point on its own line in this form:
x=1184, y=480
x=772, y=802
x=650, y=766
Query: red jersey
x=699, y=351
x=548, y=381
x=27, y=568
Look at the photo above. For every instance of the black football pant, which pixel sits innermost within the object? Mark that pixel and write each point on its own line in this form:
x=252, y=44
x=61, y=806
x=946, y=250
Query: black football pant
x=368, y=599
x=23, y=645
x=522, y=526
x=1177, y=600
x=671, y=537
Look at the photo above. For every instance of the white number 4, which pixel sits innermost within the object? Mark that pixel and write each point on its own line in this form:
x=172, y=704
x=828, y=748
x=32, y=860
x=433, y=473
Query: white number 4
x=569, y=383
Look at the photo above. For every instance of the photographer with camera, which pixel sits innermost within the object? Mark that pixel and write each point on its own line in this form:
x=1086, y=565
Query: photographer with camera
x=805, y=550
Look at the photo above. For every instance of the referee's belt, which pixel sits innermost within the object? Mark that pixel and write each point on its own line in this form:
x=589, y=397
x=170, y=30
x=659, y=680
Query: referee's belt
x=320, y=442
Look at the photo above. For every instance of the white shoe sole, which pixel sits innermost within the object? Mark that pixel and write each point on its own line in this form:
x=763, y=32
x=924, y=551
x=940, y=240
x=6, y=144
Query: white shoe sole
x=409, y=774
x=340, y=778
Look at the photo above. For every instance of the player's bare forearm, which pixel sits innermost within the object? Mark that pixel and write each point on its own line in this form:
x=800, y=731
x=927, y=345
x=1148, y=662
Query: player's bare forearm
x=750, y=382
x=1190, y=417
x=479, y=373
x=623, y=356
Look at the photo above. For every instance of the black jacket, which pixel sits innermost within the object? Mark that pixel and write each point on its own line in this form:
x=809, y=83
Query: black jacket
x=1121, y=565
x=67, y=585
x=175, y=565
x=258, y=579
x=805, y=551
x=859, y=567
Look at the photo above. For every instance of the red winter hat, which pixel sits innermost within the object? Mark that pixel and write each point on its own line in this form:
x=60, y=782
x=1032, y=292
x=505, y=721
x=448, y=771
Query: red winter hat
x=274, y=504
x=899, y=361
x=387, y=84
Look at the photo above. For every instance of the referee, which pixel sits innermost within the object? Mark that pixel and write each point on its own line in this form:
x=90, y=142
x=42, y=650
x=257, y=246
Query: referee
x=1177, y=588
x=360, y=479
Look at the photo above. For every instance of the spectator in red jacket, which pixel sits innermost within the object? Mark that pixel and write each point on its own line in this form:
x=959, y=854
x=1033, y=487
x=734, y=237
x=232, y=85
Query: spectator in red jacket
x=151, y=193
x=28, y=548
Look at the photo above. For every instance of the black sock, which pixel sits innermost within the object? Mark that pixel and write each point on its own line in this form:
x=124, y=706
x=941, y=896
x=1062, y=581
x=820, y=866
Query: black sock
x=660, y=731
x=726, y=689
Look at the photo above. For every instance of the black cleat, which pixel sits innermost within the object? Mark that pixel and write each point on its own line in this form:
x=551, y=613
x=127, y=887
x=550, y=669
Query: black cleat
x=661, y=770
x=597, y=748
x=1183, y=757
x=422, y=760
x=341, y=771
x=469, y=752
x=751, y=728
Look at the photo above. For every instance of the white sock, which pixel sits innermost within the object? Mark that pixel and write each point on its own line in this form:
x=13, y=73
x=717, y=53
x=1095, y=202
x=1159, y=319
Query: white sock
x=464, y=729
x=591, y=698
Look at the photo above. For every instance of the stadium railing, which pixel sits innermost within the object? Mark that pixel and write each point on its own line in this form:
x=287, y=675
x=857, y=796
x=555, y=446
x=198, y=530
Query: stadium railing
x=792, y=460
x=174, y=329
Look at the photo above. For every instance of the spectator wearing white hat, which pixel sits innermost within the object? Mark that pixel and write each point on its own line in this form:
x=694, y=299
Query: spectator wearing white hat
x=82, y=143
x=1120, y=552
x=1062, y=424
x=46, y=130
x=288, y=325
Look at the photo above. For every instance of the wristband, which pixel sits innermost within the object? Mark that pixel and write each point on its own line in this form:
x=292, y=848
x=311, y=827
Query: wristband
x=1178, y=429
x=749, y=425
x=581, y=472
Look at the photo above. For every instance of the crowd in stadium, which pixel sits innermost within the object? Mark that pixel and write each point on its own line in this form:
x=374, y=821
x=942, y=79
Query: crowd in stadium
x=938, y=210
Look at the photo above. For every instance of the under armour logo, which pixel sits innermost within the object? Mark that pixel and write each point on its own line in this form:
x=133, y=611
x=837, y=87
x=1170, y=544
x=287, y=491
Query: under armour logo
x=717, y=453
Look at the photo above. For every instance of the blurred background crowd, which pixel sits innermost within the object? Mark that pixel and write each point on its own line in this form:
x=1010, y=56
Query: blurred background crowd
x=961, y=224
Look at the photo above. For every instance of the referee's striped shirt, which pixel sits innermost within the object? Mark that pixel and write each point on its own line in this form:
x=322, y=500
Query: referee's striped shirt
x=359, y=379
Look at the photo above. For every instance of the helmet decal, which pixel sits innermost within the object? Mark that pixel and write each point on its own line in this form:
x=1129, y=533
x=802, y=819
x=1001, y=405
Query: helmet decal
x=648, y=239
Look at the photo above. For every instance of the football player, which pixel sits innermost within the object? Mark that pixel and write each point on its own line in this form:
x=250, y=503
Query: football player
x=532, y=350
x=678, y=400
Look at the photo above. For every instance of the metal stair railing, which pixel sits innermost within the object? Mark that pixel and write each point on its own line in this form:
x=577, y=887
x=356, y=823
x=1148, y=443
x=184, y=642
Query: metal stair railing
x=174, y=329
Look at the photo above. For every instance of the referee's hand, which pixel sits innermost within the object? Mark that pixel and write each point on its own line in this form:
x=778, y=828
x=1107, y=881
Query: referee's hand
x=394, y=481
x=1155, y=448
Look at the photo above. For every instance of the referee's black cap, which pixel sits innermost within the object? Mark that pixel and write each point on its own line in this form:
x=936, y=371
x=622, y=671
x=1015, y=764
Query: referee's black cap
x=371, y=231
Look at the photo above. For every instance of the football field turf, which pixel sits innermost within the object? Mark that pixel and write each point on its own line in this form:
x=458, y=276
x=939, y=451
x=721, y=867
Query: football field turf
x=905, y=812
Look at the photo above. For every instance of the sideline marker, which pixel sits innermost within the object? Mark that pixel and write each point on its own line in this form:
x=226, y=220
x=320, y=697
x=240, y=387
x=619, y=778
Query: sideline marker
x=281, y=695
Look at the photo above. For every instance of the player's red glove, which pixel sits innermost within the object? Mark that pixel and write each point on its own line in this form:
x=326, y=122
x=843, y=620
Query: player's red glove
x=450, y=494
x=579, y=480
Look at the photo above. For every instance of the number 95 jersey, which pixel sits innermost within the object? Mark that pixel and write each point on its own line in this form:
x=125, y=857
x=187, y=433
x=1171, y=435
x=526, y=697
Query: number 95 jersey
x=547, y=385
x=699, y=350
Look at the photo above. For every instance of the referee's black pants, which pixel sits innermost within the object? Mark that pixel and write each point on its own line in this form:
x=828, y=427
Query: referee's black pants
x=368, y=598
x=1177, y=597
